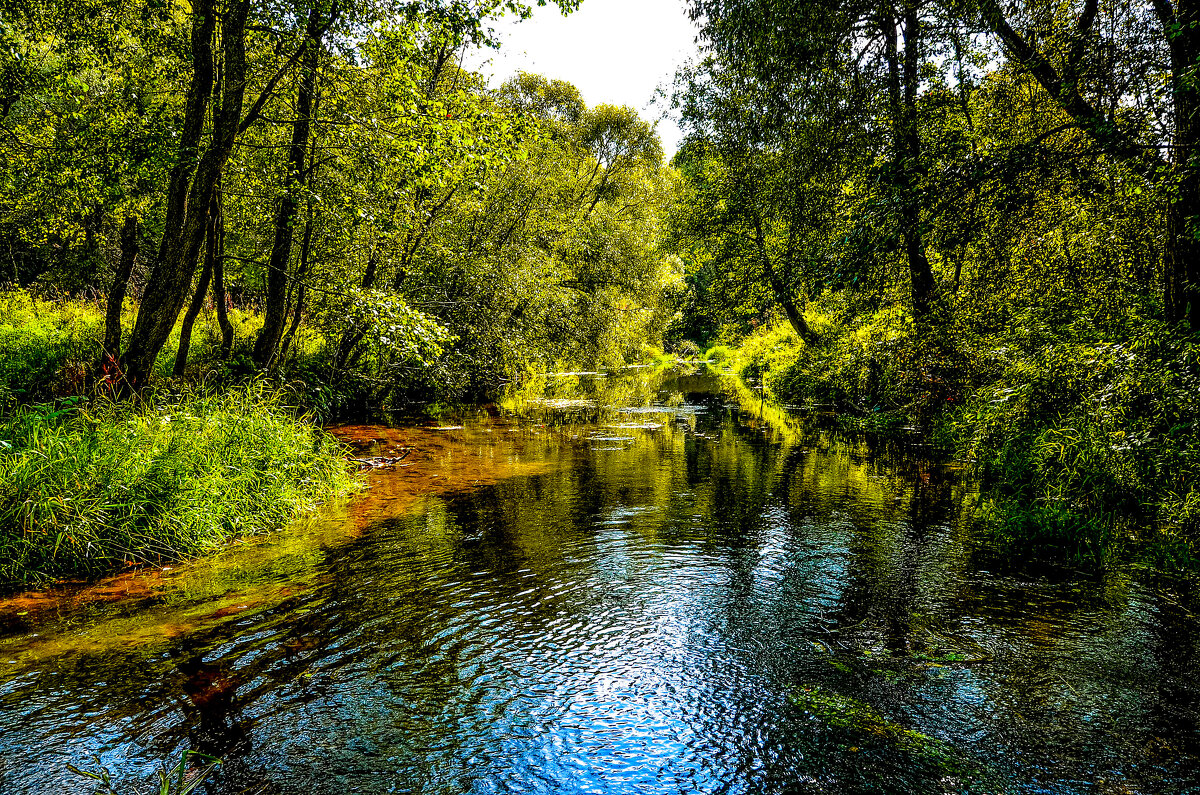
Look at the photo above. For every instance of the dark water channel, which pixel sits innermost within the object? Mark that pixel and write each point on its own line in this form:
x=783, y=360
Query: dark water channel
x=682, y=597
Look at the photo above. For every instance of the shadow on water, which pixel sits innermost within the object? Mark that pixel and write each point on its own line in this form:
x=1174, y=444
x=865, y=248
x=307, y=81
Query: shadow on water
x=667, y=590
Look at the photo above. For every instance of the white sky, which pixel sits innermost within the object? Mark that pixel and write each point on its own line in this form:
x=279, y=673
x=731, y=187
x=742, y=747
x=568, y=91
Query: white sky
x=615, y=52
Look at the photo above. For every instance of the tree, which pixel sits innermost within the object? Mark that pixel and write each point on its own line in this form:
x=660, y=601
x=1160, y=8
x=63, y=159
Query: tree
x=768, y=186
x=193, y=178
x=797, y=61
x=200, y=163
x=321, y=18
x=1100, y=63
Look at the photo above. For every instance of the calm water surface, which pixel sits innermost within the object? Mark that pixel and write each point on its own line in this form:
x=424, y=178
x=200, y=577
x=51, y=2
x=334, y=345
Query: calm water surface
x=673, y=597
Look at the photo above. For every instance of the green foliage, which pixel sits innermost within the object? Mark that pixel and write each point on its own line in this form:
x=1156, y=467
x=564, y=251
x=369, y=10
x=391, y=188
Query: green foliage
x=85, y=489
x=875, y=363
x=963, y=250
x=445, y=235
x=1083, y=446
x=1100, y=431
x=770, y=349
x=43, y=347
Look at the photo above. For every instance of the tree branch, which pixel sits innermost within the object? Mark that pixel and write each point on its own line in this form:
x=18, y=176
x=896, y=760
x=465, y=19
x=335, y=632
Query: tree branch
x=1115, y=141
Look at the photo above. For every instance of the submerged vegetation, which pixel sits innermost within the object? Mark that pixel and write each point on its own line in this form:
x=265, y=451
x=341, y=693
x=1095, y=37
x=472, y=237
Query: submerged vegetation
x=871, y=739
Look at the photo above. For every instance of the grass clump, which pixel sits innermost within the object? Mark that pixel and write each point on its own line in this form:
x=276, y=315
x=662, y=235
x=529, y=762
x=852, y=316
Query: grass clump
x=182, y=779
x=1048, y=533
x=88, y=489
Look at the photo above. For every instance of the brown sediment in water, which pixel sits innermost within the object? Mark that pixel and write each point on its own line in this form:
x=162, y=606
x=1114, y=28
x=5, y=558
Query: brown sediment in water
x=437, y=460
x=161, y=602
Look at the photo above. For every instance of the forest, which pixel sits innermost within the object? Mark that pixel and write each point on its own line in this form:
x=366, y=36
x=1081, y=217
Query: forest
x=226, y=223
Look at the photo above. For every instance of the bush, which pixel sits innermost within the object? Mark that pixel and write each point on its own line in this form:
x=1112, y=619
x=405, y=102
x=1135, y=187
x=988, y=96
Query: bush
x=769, y=350
x=84, y=490
x=882, y=363
x=718, y=355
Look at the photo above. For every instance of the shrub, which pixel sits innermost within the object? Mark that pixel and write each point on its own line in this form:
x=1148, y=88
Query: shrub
x=718, y=355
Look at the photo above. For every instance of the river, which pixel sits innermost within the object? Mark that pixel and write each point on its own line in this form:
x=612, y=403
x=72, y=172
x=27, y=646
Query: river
x=670, y=590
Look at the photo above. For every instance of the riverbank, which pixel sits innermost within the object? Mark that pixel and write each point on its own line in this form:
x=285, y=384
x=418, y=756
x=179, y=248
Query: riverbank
x=90, y=488
x=1087, y=448
x=216, y=450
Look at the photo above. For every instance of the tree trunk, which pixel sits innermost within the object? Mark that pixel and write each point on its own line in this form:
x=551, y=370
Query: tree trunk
x=1181, y=254
x=116, y=294
x=193, y=312
x=793, y=314
x=783, y=294
x=216, y=244
x=191, y=185
x=302, y=289
x=924, y=286
x=275, y=314
x=903, y=75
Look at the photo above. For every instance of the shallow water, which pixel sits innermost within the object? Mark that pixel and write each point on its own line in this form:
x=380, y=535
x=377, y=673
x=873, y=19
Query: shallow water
x=680, y=597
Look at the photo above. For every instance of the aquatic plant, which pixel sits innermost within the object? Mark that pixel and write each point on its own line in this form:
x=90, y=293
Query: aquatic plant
x=863, y=730
x=178, y=780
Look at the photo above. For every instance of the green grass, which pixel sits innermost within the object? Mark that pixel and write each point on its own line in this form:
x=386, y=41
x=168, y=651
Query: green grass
x=44, y=346
x=90, y=489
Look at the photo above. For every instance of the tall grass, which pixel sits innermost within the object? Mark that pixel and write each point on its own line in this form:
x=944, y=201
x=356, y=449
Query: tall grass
x=88, y=489
x=44, y=346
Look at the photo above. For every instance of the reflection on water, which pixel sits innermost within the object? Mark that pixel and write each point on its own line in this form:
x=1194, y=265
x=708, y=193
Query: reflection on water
x=685, y=597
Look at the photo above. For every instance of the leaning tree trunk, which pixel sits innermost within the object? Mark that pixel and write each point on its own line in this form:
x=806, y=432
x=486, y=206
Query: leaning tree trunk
x=779, y=288
x=116, y=294
x=191, y=185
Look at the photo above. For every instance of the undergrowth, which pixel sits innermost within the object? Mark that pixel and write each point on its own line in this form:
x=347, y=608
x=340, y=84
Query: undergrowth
x=1086, y=440
x=44, y=347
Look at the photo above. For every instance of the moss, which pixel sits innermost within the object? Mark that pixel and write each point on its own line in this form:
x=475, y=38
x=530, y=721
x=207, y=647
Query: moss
x=864, y=730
